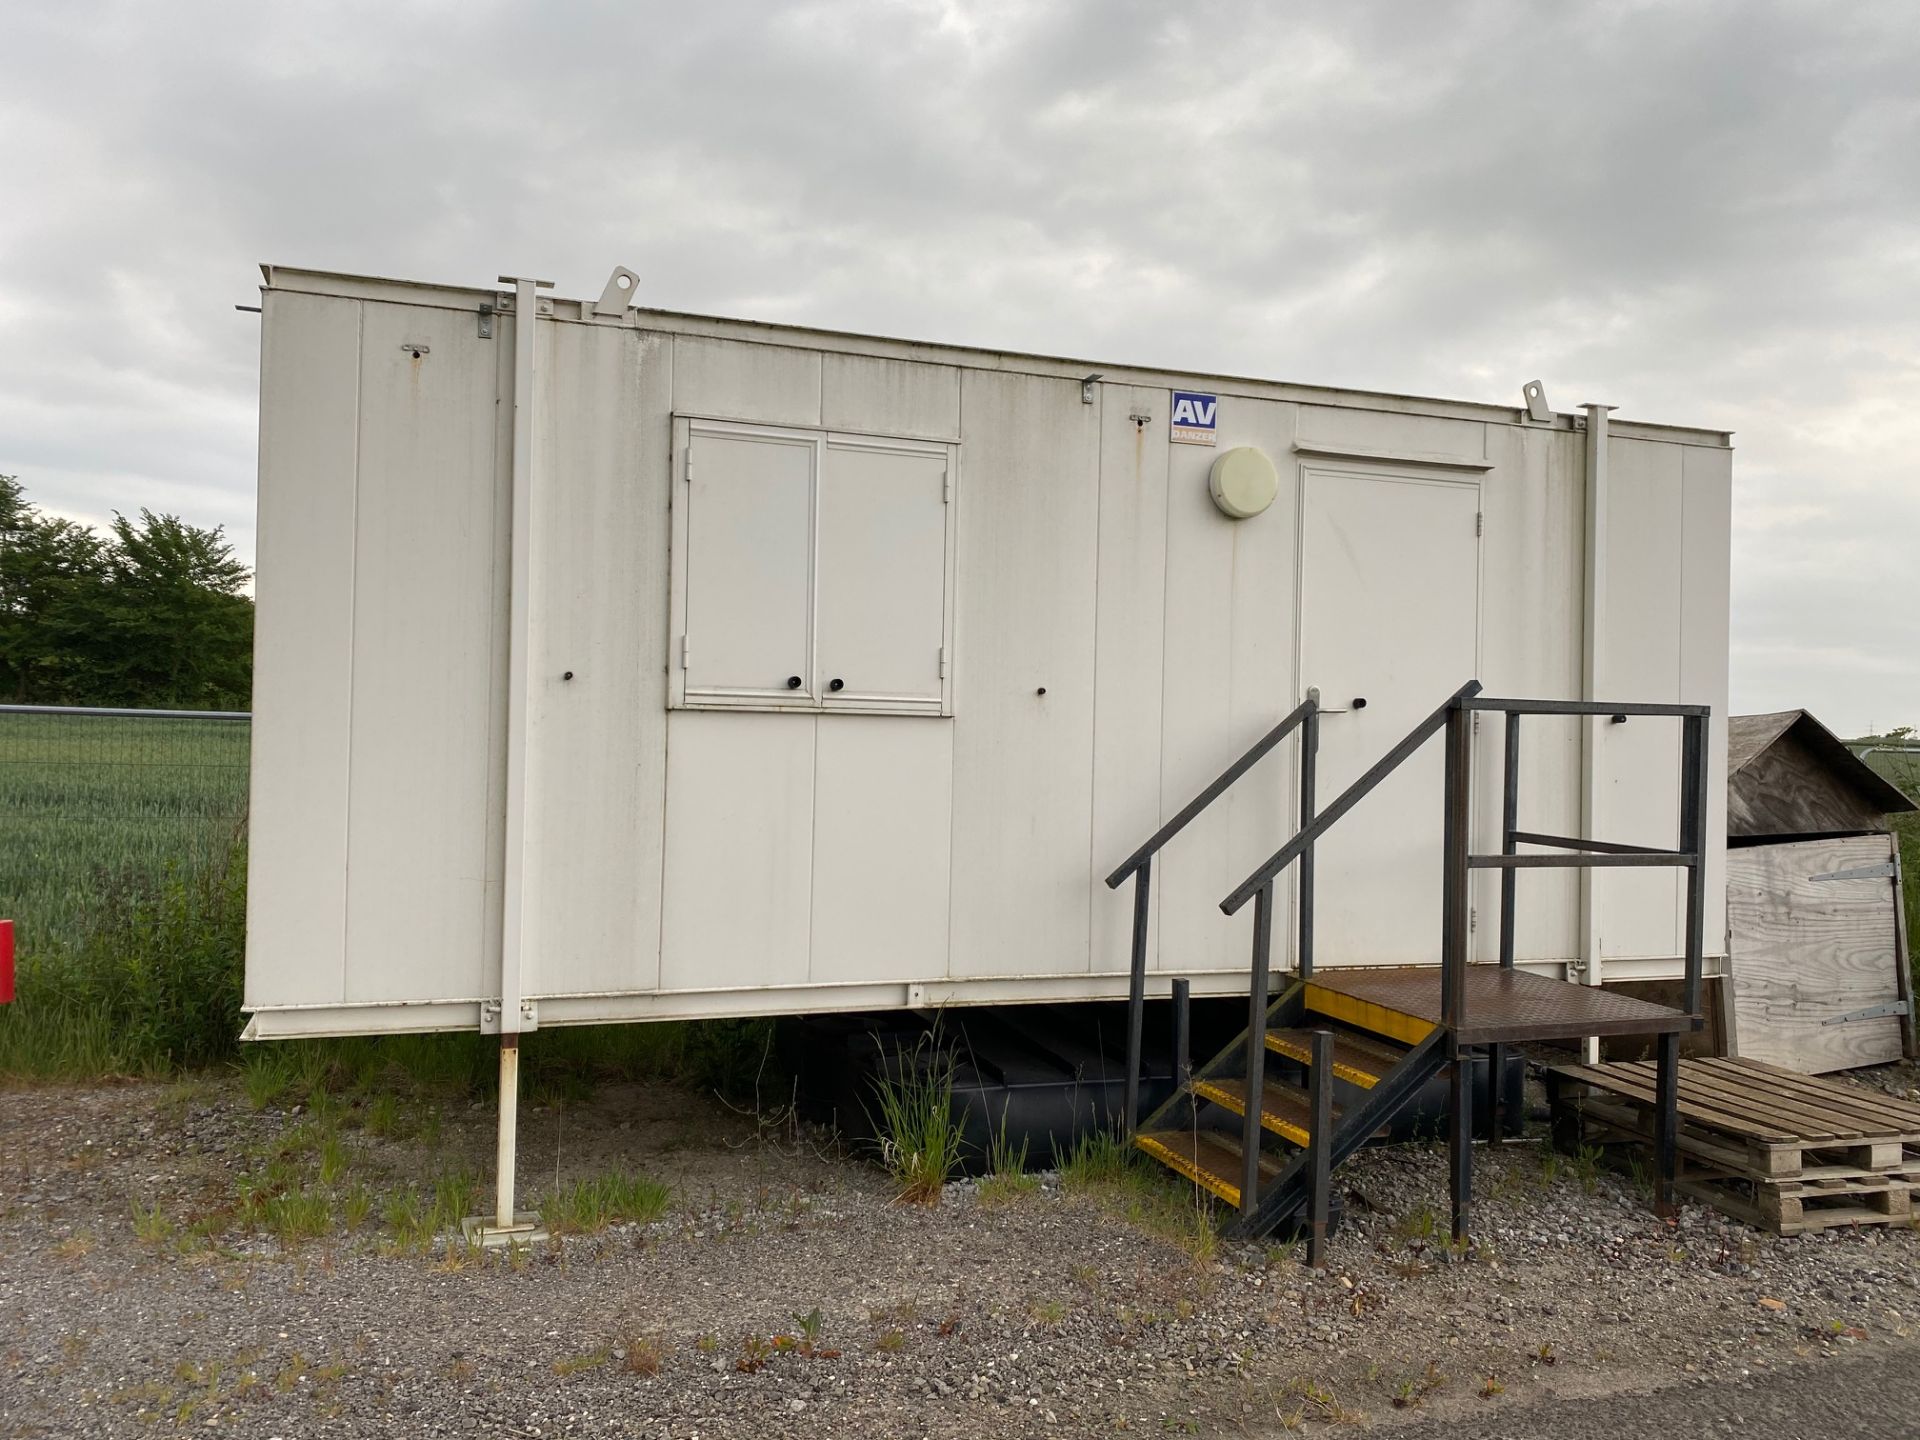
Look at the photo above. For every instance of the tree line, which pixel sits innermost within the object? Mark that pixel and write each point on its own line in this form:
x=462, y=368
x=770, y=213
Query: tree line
x=150, y=613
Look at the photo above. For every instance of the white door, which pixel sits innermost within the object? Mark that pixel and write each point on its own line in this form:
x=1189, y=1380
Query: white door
x=1389, y=621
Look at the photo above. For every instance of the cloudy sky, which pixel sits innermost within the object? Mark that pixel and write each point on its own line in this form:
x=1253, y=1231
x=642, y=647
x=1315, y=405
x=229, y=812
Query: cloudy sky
x=1703, y=213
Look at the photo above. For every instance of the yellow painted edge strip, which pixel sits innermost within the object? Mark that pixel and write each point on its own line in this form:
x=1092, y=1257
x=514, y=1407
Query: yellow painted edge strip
x=1353, y=1074
x=1365, y=1015
x=1285, y=1129
x=1206, y=1179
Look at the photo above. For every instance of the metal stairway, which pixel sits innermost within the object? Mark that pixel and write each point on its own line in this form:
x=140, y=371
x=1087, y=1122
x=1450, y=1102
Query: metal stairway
x=1321, y=1069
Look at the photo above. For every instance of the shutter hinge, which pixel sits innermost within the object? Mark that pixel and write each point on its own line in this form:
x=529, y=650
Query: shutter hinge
x=686, y=648
x=1479, y=522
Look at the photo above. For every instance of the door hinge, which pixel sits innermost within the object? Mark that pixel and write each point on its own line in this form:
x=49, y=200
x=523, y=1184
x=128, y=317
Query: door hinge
x=946, y=488
x=1473, y=918
x=686, y=648
x=1476, y=723
x=688, y=475
x=1870, y=1012
x=1479, y=522
x=1882, y=871
x=943, y=662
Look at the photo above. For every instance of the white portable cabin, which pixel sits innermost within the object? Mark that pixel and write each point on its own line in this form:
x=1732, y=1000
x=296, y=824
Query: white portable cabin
x=617, y=665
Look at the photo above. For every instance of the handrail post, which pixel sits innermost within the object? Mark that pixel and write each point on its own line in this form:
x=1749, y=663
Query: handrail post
x=1319, y=1147
x=1458, y=789
x=1256, y=1058
x=1182, y=1041
x=1693, y=838
x=1509, y=824
x=1137, y=991
x=1309, y=763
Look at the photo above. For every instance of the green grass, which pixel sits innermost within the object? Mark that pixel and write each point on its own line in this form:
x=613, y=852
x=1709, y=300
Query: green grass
x=606, y=1199
x=919, y=1133
x=88, y=802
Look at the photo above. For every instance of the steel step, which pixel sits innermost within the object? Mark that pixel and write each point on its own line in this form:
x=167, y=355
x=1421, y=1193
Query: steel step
x=1285, y=1109
x=1356, y=1058
x=1212, y=1159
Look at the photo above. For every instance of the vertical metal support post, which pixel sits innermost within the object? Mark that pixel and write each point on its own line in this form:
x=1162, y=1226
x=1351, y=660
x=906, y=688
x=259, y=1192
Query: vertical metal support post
x=1137, y=991
x=1309, y=764
x=1319, y=1147
x=1496, y=1093
x=1256, y=1057
x=1182, y=1037
x=1460, y=1154
x=1454, y=881
x=503, y=1160
x=1666, y=1122
x=1509, y=822
x=1693, y=839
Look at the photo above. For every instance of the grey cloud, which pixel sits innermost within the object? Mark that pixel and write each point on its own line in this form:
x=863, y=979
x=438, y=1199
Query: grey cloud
x=1706, y=213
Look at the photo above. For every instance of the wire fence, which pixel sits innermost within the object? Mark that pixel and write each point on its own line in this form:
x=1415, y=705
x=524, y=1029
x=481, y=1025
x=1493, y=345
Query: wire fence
x=1897, y=762
x=91, y=799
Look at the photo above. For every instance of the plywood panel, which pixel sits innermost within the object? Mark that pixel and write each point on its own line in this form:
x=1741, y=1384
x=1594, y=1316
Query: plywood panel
x=739, y=850
x=1023, y=772
x=890, y=397
x=1533, y=499
x=730, y=380
x=302, y=679
x=883, y=797
x=596, y=771
x=1229, y=679
x=1639, y=910
x=429, y=661
x=1130, y=643
x=1806, y=951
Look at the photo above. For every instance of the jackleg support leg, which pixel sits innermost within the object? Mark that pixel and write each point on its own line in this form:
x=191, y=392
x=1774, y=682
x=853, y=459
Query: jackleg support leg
x=505, y=1226
x=1666, y=1123
x=1461, y=1154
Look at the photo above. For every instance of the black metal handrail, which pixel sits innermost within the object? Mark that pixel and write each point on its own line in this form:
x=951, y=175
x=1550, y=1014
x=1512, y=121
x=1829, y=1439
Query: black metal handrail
x=1305, y=717
x=1303, y=839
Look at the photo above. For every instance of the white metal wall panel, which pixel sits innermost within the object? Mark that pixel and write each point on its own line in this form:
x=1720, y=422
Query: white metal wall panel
x=739, y=850
x=1023, y=761
x=302, y=677
x=1530, y=620
x=882, y=581
x=1130, y=636
x=1229, y=678
x=1705, y=587
x=1387, y=432
x=596, y=774
x=728, y=380
x=882, y=831
x=889, y=397
x=1639, y=910
x=429, y=660
x=749, y=564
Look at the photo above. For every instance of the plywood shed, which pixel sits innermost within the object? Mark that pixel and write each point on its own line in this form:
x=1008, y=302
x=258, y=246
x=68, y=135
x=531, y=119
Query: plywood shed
x=1818, y=955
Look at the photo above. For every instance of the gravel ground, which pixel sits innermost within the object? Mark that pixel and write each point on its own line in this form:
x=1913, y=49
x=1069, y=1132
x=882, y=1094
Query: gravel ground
x=1050, y=1313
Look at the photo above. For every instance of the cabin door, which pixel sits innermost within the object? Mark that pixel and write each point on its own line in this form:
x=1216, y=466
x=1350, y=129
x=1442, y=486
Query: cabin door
x=1389, y=627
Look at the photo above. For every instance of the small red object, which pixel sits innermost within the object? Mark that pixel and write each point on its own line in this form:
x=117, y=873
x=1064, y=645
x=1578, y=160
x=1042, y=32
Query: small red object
x=6, y=962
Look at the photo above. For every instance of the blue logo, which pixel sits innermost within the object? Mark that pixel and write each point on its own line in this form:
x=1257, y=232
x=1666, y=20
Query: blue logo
x=1195, y=417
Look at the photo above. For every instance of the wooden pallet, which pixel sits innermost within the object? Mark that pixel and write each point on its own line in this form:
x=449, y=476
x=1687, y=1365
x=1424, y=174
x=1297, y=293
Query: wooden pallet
x=1786, y=1152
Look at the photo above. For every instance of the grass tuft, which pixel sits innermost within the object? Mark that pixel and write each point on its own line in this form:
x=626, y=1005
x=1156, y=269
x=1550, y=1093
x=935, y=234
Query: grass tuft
x=606, y=1199
x=919, y=1133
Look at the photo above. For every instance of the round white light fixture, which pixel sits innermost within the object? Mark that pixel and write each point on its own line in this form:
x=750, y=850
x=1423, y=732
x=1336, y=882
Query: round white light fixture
x=1243, y=482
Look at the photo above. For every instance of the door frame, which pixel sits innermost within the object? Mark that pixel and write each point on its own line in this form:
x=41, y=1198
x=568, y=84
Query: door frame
x=1337, y=471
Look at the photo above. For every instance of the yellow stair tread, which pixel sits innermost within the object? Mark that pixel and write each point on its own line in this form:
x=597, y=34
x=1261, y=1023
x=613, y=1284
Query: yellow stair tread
x=1211, y=1159
x=1284, y=1109
x=1355, y=1058
x=1363, y=1014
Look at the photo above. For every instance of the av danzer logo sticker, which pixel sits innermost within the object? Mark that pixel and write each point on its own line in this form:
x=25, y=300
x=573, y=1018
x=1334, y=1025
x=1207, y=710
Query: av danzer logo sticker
x=1195, y=418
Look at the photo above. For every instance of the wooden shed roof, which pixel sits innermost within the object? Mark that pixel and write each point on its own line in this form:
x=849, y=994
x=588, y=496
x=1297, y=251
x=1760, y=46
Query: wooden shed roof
x=1787, y=773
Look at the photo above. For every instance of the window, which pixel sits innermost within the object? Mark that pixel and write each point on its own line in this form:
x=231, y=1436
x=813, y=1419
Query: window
x=811, y=570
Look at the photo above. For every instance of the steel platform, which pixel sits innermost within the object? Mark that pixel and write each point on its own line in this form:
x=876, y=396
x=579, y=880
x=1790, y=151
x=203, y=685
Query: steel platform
x=1502, y=1006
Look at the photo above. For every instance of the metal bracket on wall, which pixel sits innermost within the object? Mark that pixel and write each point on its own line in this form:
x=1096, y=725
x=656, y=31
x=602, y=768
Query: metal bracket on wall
x=622, y=286
x=486, y=319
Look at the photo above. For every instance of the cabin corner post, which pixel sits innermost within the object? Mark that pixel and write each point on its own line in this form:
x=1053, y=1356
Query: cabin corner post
x=1592, y=681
